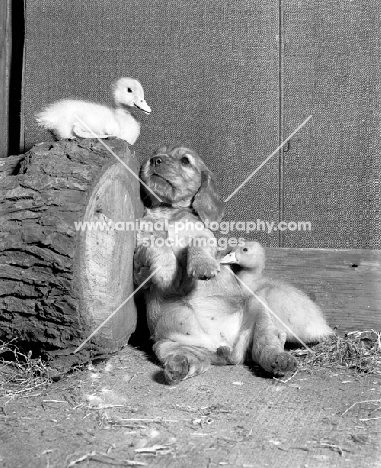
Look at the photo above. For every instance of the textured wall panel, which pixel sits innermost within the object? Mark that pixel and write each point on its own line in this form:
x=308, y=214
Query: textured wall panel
x=209, y=70
x=212, y=75
x=332, y=172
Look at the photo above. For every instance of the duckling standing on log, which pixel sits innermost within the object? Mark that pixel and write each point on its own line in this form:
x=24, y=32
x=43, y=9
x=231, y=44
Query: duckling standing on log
x=292, y=306
x=70, y=118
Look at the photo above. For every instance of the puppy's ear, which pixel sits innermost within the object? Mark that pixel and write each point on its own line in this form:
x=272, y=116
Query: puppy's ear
x=207, y=203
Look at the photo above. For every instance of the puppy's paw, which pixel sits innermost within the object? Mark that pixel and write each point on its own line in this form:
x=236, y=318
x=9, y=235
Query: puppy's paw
x=224, y=356
x=164, y=277
x=280, y=363
x=224, y=352
x=203, y=268
x=176, y=369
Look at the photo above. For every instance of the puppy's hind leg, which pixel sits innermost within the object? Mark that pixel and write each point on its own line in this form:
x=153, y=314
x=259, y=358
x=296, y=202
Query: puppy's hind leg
x=268, y=342
x=180, y=361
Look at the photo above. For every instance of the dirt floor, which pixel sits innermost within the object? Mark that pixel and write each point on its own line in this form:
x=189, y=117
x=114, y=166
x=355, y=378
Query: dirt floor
x=119, y=412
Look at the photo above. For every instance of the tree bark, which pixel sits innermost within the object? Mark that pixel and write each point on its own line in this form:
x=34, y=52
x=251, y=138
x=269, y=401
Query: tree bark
x=58, y=282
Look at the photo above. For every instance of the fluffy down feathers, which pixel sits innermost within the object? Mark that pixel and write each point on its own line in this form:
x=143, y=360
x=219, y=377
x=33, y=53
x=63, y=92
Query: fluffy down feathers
x=292, y=306
x=70, y=118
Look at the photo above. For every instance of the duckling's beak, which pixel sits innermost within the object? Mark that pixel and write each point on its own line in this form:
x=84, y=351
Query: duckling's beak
x=142, y=105
x=229, y=258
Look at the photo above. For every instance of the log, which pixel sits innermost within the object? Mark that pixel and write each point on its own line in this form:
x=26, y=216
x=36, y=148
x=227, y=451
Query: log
x=58, y=280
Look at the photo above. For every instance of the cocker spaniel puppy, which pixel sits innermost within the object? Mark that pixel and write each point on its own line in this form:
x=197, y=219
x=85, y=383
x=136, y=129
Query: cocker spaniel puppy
x=197, y=313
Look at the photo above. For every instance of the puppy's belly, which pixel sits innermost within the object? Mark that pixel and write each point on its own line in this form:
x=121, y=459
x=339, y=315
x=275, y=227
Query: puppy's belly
x=210, y=322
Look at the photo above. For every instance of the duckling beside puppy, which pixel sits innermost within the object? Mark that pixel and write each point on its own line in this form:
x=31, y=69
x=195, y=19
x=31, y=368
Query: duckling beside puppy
x=75, y=118
x=196, y=322
x=293, y=307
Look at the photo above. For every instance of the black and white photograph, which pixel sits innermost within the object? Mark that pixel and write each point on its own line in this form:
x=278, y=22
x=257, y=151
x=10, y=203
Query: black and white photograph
x=190, y=233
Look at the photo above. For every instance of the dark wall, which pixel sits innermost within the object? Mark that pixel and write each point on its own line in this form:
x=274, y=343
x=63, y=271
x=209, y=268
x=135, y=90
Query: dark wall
x=231, y=79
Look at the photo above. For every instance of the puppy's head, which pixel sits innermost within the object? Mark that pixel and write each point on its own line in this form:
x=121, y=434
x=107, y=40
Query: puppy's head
x=179, y=177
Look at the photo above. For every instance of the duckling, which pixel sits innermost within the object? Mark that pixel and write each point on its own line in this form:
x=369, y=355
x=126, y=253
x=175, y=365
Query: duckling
x=75, y=118
x=293, y=307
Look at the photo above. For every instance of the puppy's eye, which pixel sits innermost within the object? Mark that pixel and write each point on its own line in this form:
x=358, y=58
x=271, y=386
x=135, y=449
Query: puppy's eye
x=129, y=90
x=245, y=249
x=185, y=161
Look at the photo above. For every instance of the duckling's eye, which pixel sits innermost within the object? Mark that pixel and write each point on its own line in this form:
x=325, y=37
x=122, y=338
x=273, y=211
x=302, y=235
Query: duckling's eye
x=185, y=161
x=245, y=249
x=129, y=90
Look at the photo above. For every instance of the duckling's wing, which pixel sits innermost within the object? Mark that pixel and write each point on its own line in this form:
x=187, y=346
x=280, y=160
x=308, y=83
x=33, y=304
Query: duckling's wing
x=79, y=132
x=76, y=118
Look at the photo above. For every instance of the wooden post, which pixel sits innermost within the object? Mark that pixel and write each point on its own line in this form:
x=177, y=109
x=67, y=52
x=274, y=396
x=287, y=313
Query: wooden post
x=5, y=47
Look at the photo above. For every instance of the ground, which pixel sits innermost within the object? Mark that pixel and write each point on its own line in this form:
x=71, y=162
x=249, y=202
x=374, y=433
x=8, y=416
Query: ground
x=119, y=412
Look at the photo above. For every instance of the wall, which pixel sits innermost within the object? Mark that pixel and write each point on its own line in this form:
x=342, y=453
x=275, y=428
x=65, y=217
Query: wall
x=232, y=80
x=331, y=66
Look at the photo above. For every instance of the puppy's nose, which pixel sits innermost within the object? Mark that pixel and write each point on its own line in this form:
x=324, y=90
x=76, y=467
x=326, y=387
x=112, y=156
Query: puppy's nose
x=156, y=161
